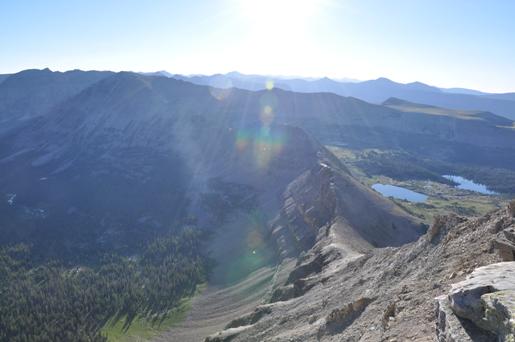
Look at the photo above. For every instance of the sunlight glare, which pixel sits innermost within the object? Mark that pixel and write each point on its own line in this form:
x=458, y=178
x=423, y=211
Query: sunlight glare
x=279, y=35
x=273, y=21
x=274, y=13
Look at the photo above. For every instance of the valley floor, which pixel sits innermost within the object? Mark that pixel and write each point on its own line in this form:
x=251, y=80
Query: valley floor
x=217, y=305
x=442, y=198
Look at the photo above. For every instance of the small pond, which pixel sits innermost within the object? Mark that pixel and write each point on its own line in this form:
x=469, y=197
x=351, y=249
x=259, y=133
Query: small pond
x=398, y=192
x=467, y=184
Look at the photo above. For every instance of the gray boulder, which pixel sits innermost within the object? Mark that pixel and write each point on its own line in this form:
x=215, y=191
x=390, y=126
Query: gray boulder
x=486, y=299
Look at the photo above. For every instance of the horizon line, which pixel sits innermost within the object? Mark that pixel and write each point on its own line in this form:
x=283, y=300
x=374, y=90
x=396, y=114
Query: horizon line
x=284, y=77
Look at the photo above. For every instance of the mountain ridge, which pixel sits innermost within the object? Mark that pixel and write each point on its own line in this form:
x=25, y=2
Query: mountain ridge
x=328, y=121
x=375, y=91
x=125, y=158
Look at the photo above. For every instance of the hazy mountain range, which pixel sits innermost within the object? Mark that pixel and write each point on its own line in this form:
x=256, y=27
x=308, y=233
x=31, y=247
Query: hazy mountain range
x=131, y=146
x=100, y=165
x=375, y=91
x=330, y=118
x=95, y=132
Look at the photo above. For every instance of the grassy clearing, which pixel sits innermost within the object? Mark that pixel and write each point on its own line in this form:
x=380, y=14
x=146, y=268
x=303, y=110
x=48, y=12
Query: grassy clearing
x=470, y=206
x=442, y=198
x=144, y=328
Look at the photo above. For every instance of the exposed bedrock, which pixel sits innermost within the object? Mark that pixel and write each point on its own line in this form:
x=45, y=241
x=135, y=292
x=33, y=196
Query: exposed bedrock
x=324, y=195
x=481, y=307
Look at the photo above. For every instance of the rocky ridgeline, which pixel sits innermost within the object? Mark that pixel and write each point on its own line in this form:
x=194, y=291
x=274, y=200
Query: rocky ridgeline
x=327, y=192
x=388, y=294
x=482, y=307
x=308, y=203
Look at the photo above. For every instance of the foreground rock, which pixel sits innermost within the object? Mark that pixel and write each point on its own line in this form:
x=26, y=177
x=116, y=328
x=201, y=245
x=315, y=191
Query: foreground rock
x=505, y=244
x=482, y=307
x=387, y=294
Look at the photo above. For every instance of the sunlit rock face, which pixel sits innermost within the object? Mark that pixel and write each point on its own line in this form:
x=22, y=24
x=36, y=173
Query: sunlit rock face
x=326, y=195
x=482, y=307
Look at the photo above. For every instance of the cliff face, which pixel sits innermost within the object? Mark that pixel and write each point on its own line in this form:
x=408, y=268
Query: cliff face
x=326, y=196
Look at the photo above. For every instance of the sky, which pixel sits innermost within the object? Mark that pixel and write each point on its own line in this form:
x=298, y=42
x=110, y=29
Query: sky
x=447, y=43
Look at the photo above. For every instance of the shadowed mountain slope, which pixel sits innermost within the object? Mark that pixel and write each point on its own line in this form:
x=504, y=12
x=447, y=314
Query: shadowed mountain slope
x=375, y=91
x=31, y=93
x=406, y=106
x=3, y=77
x=348, y=121
x=131, y=157
x=133, y=151
x=328, y=117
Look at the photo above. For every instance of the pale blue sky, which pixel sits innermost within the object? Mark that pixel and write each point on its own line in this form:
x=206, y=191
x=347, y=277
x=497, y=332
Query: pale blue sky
x=451, y=43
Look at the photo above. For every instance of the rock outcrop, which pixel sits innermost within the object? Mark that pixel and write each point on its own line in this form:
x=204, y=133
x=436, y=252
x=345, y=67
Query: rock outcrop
x=505, y=229
x=327, y=193
x=505, y=244
x=335, y=294
x=480, y=308
x=340, y=318
x=450, y=328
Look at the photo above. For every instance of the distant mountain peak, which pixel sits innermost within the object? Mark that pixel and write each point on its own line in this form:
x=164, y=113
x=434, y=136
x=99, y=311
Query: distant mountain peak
x=417, y=84
x=326, y=79
x=234, y=74
x=384, y=80
x=422, y=86
x=395, y=101
x=162, y=73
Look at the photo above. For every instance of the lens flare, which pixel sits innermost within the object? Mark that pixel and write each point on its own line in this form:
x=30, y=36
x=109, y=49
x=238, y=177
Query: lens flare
x=263, y=143
x=268, y=99
x=269, y=85
x=220, y=90
x=254, y=252
x=255, y=240
x=242, y=140
x=267, y=115
x=219, y=93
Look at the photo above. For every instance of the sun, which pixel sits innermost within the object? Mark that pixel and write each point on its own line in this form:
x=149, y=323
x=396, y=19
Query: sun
x=277, y=36
x=278, y=15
